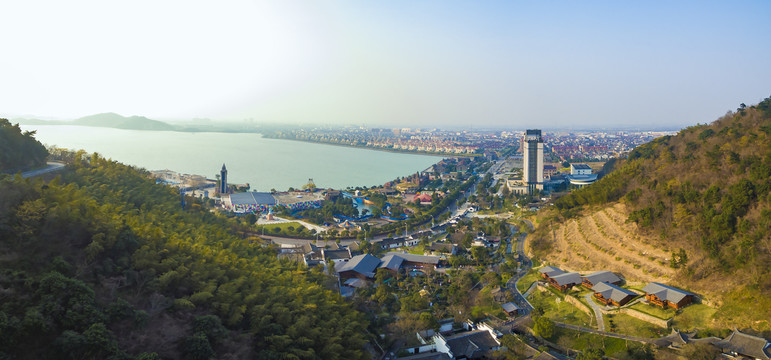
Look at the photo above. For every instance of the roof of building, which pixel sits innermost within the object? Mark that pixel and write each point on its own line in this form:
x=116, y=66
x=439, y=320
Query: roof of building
x=337, y=254
x=391, y=262
x=746, y=344
x=665, y=292
x=356, y=283
x=549, y=167
x=471, y=344
x=581, y=166
x=252, y=198
x=363, y=264
x=442, y=247
x=613, y=292
x=582, y=179
x=510, y=307
x=424, y=259
x=427, y=356
x=601, y=276
x=551, y=271
x=567, y=279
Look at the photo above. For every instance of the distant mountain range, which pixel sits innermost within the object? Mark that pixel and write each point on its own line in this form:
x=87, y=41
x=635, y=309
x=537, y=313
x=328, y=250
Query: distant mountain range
x=110, y=120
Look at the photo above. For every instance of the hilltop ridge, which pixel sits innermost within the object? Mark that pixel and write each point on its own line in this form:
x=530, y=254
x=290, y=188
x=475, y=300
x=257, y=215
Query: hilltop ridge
x=693, y=209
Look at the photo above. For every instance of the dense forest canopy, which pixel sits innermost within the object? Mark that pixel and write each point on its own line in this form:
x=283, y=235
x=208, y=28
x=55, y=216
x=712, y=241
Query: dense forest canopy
x=102, y=262
x=18, y=149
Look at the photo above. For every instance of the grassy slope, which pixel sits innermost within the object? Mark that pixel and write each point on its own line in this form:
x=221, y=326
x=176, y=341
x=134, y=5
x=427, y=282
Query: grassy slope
x=705, y=190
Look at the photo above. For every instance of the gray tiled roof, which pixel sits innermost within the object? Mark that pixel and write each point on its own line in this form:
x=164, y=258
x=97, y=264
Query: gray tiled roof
x=364, y=264
x=613, y=292
x=510, y=306
x=551, y=271
x=601, y=276
x=745, y=344
x=567, y=279
x=471, y=343
x=252, y=198
x=425, y=259
x=391, y=262
x=665, y=292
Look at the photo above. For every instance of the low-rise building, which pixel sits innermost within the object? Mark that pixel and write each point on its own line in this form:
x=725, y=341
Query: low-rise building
x=548, y=272
x=745, y=345
x=599, y=277
x=663, y=295
x=611, y=294
x=565, y=281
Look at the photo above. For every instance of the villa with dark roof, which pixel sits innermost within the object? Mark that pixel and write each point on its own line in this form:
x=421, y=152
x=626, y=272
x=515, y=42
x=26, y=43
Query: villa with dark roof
x=474, y=344
x=663, y=295
x=550, y=271
x=360, y=267
x=611, y=294
x=565, y=281
x=599, y=277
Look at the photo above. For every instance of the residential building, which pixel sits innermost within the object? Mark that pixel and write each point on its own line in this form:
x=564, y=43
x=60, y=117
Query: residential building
x=599, y=277
x=565, y=281
x=474, y=344
x=608, y=294
x=360, y=266
x=663, y=295
x=549, y=271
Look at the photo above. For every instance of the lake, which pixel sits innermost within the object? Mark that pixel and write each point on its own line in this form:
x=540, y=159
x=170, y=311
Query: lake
x=263, y=163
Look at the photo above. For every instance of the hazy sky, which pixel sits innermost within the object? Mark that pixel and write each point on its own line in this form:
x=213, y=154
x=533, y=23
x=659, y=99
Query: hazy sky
x=414, y=63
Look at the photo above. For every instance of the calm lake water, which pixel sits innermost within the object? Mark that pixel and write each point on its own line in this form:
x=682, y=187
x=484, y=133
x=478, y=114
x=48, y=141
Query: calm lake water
x=263, y=163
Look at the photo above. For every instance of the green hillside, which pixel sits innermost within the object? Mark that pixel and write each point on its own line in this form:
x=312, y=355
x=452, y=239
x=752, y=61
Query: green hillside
x=114, y=120
x=18, y=149
x=103, y=263
x=706, y=190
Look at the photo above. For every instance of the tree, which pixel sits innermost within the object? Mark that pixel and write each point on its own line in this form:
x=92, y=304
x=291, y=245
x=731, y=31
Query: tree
x=591, y=354
x=543, y=327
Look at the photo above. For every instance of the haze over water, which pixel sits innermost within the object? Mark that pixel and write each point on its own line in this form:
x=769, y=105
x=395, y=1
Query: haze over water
x=263, y=163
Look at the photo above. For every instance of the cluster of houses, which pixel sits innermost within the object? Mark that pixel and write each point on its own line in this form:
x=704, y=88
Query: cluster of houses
x=606, y=289
x=471, y=341
x=360, y=269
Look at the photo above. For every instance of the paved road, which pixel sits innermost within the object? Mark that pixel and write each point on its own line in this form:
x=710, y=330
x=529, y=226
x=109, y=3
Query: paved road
x=597, y=312
x=519, y=299
x=52, y=166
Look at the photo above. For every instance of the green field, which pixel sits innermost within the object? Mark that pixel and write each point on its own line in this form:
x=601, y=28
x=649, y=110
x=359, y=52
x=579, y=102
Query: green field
x=694, y=317
x=654, y=310
x=625, y=324
x=524, y=283
x=560, y=311
x=582, y=341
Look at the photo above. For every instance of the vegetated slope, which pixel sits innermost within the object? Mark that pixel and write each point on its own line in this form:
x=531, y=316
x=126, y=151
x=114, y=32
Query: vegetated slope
x=18, y=149
x=104, y=263
x=706, y=191
x=114, y=120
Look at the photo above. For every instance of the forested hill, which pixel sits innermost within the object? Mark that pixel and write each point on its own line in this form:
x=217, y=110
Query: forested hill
x=114, y=120
x=18, y=149
x=102, y=263
x=707, y=190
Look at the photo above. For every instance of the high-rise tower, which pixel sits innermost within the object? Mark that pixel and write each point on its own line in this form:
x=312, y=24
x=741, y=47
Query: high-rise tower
x=532, y=148
x=223, y=180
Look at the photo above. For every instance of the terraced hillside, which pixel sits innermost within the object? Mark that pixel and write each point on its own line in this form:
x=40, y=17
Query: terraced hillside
x=692, y=210
x=603, y=241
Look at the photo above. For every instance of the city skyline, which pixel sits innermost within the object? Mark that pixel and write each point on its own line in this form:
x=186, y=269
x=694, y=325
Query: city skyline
x=446, y=64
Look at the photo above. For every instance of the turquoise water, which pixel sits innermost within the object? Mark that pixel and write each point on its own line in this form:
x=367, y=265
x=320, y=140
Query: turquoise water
x=263, y=163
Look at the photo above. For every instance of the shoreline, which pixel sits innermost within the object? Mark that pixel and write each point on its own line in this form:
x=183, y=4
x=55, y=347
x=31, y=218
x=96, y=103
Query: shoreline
x=442, y=155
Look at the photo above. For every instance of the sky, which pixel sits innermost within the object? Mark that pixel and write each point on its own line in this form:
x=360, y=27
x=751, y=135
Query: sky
x=510, y=64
